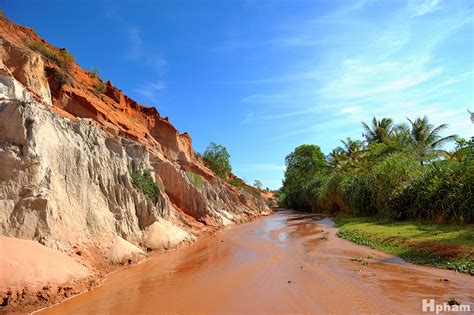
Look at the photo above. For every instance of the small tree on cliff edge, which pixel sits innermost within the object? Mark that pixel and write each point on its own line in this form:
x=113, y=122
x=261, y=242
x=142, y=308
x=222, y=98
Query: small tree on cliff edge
x=216, y=158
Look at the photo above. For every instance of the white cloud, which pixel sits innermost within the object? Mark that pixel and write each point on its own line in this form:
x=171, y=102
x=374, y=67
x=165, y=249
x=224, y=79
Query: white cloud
x=150, y=90
x=136, y=44
x=137, y=49
x=419, y=8
x=251, y=117
x=351, y=110
x=138, y=52
x=396, y=66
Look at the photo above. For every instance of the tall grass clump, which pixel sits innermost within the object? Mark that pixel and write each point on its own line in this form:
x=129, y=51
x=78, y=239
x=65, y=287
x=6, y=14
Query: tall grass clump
x=388, y=179
x=359, y=195
x=444, y=193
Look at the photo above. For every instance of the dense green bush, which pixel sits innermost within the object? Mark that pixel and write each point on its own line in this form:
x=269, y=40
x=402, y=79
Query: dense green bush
x=303, y=167
x=3, y=16
x=143, y=181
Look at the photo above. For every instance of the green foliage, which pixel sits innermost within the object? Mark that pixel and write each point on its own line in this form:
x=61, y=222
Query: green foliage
x=143, y=181
x=444, y=193
x=66, y=58
x=3, y=16
x=198, y=155
x=249, y=191
x=94, y=72
x=388, y=179
x=357, y=194
x=426, y=138
x=99, y=87
x=336, y=158
x=331, y=193
x=216, y=158
x=234, y=182
x=352, y=148
x=302, y=166
x=380, y=131
x=282, y=202
x=196, y=179
x=61, y=57
x=464, y=150
x=400, y=173
x=258, y=184
x=41, y=48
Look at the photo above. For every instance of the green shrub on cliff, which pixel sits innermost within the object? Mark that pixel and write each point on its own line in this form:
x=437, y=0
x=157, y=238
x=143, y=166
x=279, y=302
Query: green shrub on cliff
x=62, y=57
x=99, y=88
x=3, y=16
x=143, y=181
x=257, y=184
x=94, y=72
x=234, y=182
x=216, y=158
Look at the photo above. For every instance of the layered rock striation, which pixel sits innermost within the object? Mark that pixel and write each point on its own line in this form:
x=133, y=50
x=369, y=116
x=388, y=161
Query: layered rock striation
x=68, y=146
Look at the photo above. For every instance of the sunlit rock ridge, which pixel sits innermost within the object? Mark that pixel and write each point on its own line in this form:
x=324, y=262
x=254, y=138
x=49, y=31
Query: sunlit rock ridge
x=68, y=145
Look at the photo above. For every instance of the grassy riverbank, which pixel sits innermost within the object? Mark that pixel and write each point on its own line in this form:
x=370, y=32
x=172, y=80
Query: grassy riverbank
x=443, y=246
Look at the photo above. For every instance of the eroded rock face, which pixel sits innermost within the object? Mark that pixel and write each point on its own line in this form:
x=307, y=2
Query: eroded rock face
x=67, y=152
x=68, y=180
x=28, y=69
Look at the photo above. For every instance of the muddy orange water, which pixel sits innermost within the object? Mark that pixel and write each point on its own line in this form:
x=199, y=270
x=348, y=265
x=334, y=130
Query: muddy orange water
x=285, y=263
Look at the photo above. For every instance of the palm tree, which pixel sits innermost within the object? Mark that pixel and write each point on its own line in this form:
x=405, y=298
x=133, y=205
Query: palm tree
x=463, y=149
x=352, y=148
x=337, y=157
x=426, y=138
x=400, y=137
x=379, y=131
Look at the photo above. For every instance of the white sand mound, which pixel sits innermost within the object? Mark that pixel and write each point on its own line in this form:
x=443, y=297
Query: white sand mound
x=162, y=234
x=28, y=263
x=123, y=251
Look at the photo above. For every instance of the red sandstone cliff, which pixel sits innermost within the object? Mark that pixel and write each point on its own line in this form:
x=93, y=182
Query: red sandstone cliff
x=68, y=145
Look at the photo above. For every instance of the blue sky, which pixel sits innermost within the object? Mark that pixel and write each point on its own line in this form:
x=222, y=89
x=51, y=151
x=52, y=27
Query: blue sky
x=262, y=77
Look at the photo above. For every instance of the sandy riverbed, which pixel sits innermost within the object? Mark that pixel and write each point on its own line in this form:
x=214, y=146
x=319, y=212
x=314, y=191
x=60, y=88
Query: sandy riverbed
x=285, y=263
